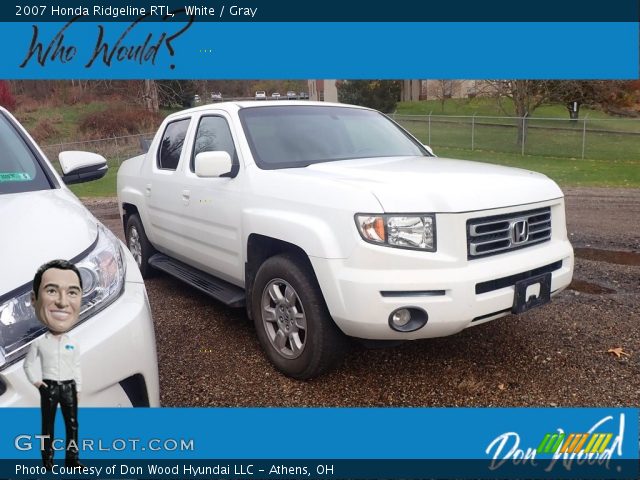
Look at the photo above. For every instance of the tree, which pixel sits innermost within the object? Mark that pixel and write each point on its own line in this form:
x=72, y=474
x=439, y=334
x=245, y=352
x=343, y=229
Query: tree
x=610, y=95
x=150, y=96
x=445, y=89
x=575, y=93
x=172, y=93
x=526, y=95
x=382, y=95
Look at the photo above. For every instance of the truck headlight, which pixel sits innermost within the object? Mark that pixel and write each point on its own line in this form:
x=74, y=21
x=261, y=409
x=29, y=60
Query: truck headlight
x=103, y=272
x=416, y=232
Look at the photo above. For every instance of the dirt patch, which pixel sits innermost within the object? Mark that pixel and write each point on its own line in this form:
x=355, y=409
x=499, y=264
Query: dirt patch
x=609, y=256
x=557, y=355
x=603, y=217
x=588, y=287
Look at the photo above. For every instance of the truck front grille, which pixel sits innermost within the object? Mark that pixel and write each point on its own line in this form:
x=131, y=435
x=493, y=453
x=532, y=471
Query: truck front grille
x=502, y=233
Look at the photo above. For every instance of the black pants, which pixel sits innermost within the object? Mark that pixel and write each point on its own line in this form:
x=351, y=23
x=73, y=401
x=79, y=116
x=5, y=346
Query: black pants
x=63, y=393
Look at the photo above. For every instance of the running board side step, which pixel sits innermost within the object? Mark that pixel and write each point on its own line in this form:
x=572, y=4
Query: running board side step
x=222, y=291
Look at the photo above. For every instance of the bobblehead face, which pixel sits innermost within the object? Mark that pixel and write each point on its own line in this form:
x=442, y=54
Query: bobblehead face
x=59, y=299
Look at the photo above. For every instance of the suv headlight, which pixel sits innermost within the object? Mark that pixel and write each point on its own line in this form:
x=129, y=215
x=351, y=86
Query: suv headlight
x=412, y=231
x=103, y=271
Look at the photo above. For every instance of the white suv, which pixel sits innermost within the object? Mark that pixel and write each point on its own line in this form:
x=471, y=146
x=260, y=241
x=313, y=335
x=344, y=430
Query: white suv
x=42, y=220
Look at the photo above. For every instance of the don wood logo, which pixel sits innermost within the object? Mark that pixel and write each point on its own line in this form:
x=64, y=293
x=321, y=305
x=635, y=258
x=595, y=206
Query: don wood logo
x=594, y=446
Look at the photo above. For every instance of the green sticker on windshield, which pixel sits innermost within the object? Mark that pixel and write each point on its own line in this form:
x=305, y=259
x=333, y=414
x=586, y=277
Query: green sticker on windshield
x=15, y=177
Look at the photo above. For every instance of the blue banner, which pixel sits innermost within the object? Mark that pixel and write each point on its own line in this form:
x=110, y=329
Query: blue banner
x=488, y=443
x=185, y=49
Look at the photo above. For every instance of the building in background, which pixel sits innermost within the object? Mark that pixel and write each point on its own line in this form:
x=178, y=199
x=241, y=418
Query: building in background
x=438, y=89
x=412, y=90
x=323, y=90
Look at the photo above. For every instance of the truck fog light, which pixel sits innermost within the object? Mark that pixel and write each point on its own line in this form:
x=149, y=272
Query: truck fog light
x=401, y=317
x=408, y=319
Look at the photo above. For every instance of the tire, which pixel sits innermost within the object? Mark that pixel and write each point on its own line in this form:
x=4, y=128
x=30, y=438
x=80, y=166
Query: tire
x=292, y=321
x=139, y=245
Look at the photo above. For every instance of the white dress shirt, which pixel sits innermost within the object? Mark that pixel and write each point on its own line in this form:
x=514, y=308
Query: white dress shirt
x=59, y=359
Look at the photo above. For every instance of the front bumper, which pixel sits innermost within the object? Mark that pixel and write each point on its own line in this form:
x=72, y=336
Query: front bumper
x=119, y=362
x=362, y=291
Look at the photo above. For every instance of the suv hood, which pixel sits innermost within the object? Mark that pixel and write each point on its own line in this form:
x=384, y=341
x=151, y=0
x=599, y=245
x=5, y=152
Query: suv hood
x=38, y=227
x=426, y=184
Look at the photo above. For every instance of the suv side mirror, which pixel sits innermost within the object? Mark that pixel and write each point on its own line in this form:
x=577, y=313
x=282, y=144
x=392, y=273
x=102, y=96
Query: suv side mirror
x=79, y=167
x=213, y=164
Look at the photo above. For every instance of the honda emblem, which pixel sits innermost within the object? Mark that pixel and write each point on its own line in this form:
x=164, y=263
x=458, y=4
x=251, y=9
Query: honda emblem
x=519, y=232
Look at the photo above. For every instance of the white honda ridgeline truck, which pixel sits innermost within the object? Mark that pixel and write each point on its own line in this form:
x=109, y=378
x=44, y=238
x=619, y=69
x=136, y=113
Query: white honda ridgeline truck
x=330, y=220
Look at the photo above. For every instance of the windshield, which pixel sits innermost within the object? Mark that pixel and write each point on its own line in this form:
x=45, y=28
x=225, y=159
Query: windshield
x=20, y=171
x=299, y=135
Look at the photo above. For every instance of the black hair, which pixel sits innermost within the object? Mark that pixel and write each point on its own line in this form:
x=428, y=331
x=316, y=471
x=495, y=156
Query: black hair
x=60, y=265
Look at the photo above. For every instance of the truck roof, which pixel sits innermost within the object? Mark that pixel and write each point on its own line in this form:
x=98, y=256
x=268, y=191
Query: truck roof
x=238, y=105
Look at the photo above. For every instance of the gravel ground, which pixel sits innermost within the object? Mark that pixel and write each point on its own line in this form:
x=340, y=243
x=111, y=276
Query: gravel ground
x=558, y=355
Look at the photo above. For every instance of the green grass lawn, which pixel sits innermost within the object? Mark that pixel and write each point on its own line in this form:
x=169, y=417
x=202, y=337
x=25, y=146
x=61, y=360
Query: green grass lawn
x=612, y=159
x=64, y=118
x=488, y=107
x=565, y=171
x=553, y=147
x=550, y=138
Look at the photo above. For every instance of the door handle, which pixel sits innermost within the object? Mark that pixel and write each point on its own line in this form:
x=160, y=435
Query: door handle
x=186, y=196
x=147, y=190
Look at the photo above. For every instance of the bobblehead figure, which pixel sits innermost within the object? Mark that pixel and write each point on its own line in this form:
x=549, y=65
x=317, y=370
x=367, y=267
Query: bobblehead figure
x=56, y=298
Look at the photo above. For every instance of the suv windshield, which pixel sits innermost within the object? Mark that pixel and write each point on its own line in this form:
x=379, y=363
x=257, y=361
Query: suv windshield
x=20, y=171
x=297, y=136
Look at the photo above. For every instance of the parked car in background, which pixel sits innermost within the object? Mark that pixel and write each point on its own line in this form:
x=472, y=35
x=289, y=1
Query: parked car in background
x=275, y=96
x=303, y=96
x=216, y=96
x=196, y=100
x=292, y=95
x=329, y=220
x=261, y=95
x=43, y=220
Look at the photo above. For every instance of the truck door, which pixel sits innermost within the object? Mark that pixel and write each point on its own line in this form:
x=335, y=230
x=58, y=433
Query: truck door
x=212, y=206
x=162, y=188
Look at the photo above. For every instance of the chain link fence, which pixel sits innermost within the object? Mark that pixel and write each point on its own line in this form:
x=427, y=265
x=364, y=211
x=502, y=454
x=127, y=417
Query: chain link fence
x=114, y=149
x=608, y=139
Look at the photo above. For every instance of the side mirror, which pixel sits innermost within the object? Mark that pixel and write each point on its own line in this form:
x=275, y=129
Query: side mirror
x=429, y=149
x=79, y=167
x=213, y=164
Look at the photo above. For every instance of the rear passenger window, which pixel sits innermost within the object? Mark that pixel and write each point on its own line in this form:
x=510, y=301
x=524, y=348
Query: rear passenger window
x=172, y=143
x=213, y=135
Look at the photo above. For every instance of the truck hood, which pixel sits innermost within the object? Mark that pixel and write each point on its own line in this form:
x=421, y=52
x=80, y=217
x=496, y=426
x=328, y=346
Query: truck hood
x=38, y=227
x=425, y=184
